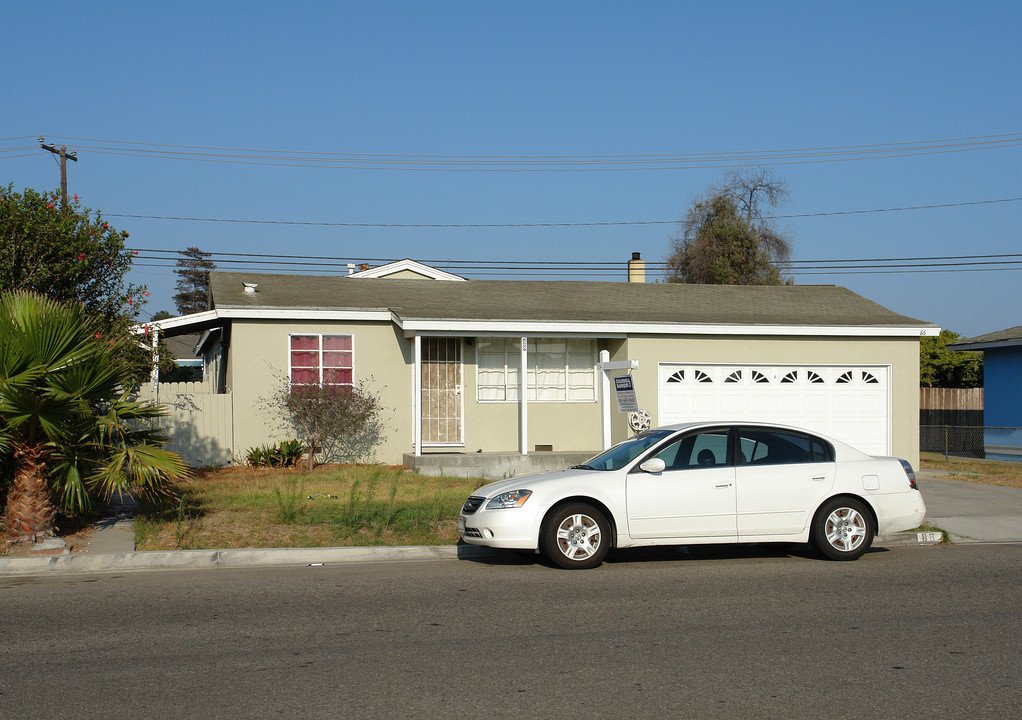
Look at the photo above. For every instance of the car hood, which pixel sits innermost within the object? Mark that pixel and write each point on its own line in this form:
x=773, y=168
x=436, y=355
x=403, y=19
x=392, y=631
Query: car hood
x=529, y=482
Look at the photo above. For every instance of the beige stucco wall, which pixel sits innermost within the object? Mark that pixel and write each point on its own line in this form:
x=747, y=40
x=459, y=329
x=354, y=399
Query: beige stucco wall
x=495, y=426
x=901, y=354
x=258, y=361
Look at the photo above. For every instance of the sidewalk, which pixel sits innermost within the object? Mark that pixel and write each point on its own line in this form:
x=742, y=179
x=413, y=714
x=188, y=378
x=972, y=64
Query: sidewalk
x=972, y=512
x=969, y=512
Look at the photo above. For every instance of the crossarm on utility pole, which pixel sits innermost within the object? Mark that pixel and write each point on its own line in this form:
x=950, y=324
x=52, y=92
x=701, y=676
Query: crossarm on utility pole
x=64, y=157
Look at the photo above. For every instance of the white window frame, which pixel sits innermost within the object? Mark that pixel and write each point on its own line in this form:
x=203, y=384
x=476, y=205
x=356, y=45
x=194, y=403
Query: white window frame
x=320, y=336
x=511, y=368
x=512, y=360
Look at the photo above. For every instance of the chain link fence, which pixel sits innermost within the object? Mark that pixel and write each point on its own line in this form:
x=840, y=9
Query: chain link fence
x=966, y=440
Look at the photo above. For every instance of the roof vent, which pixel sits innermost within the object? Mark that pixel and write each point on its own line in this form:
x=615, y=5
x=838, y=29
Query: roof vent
x=250, y=287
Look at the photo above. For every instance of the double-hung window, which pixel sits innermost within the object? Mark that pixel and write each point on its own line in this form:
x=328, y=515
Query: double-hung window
x=321, y=359
x=558, y=369
x=498, y=362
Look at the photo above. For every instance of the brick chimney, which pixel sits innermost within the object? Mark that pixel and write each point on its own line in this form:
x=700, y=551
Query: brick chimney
x=636, y=269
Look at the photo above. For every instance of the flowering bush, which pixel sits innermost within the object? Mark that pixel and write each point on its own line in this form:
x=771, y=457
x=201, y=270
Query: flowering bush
x=70, y=254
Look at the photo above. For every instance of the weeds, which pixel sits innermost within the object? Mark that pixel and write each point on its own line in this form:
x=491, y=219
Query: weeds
x=291, y=501
x=945, y=538
x=179, y=529
x=339, y=505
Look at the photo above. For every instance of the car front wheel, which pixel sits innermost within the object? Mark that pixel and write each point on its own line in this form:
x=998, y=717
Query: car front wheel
x=576, y=536
x=843, y=529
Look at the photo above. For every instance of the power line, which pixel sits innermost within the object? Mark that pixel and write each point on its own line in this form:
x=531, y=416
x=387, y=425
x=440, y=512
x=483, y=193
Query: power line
x=909, y=271
x=548, y=163
x=996, y=137
x=618, y=273
x=244, y=262
x=559, y=263
x=608, y=223
x=64, y=156
x=607, y=264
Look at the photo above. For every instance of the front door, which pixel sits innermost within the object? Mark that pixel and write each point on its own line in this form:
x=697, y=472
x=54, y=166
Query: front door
x=441, y=391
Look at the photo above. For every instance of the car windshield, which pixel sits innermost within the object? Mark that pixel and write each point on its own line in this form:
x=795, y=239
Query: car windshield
x=623, y=453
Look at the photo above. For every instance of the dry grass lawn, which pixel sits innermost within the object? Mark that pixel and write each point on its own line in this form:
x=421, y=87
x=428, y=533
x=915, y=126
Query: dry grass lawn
x=333, y=506
x=991, y=472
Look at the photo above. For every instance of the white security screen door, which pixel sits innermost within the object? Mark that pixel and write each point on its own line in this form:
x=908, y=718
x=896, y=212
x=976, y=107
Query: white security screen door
x=441, y=391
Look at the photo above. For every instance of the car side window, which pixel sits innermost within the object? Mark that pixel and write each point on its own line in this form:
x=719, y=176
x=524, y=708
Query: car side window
x=776, y=447
x=699, y=450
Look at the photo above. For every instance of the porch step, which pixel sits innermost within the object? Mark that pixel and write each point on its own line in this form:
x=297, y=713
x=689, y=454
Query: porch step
x=493, y=465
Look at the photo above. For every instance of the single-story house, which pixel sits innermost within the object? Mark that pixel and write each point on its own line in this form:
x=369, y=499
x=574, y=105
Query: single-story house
x=1002, y=391
x=182, y=352
x=447, y=356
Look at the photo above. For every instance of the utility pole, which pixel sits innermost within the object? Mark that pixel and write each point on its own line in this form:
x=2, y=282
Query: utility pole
x=64, y=157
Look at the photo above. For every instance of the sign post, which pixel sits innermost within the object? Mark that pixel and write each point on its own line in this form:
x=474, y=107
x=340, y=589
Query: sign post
x=605, y=366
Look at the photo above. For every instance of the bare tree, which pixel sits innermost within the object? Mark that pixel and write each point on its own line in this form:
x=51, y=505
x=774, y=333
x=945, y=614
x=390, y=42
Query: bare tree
x=726, y=239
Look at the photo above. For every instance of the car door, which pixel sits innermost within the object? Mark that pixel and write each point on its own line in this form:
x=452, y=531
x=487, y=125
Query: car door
x=780, y=477
x=694, y=496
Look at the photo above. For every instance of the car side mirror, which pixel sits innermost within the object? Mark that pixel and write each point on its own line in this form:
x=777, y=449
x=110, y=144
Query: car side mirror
x=653, y=465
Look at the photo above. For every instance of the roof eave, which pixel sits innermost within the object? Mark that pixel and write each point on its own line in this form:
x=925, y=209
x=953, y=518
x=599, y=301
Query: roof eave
x=989, y=345
x=418, y=326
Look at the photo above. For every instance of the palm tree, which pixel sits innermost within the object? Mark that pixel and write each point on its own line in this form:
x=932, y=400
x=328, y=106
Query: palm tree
x=67, y=426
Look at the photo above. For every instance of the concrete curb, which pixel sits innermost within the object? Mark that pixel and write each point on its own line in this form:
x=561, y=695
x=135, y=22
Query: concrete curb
x=902, y=538
x=223, y=559
x=287, y=557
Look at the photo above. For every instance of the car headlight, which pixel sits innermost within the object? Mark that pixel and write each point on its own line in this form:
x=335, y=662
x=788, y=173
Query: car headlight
x=511, y=499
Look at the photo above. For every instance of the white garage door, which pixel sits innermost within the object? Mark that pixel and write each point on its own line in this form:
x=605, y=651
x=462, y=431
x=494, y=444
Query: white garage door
x=850, y=403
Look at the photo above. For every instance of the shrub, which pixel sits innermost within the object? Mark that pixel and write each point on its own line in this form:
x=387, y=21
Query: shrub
x=343, y=422
x=287, y=453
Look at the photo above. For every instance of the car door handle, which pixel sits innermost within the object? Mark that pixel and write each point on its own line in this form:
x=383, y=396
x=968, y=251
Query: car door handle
x=819, y=477
x=725, y=485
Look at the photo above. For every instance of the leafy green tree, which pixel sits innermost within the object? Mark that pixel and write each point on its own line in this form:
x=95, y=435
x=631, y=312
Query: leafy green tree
x=940, y=367
x=192, y=272
x=726, y=239
x=70, y=254
x=68, y=429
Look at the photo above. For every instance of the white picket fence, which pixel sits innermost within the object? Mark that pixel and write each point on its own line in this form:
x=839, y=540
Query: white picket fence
x=199, y=423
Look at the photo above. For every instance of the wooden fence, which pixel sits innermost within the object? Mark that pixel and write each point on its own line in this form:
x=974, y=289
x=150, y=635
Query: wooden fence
x=951, y=406
x=199, y=423
x=951, y=421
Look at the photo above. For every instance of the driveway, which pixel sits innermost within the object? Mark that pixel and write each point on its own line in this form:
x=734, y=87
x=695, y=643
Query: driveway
x=972, y=511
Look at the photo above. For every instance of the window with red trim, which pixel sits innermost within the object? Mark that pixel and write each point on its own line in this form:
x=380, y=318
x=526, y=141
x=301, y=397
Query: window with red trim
x=326, y=359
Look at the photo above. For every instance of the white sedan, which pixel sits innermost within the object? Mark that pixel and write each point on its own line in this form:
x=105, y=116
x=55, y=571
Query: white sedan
x=701, y=483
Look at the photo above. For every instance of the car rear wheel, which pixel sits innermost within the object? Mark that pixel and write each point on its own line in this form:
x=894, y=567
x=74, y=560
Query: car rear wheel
x=575, y=536
x=843, y=529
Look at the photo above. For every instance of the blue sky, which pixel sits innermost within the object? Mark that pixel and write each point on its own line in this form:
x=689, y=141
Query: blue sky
x=521, y=79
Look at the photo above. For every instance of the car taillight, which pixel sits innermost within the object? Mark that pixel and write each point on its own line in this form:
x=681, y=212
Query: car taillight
x=910, y=472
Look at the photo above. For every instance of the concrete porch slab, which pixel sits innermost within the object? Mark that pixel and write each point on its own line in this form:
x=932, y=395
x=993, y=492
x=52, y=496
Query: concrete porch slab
x=494, y=465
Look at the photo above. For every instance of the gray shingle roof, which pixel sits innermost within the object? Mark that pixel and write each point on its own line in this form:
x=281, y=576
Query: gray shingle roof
x=561, y=301
x=182, y=346
x=1000, y=338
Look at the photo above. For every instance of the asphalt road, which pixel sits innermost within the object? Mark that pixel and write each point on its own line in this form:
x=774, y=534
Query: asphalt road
x=737, y=632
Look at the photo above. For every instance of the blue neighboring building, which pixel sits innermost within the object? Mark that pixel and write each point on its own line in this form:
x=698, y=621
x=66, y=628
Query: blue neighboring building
x=1002, y=391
